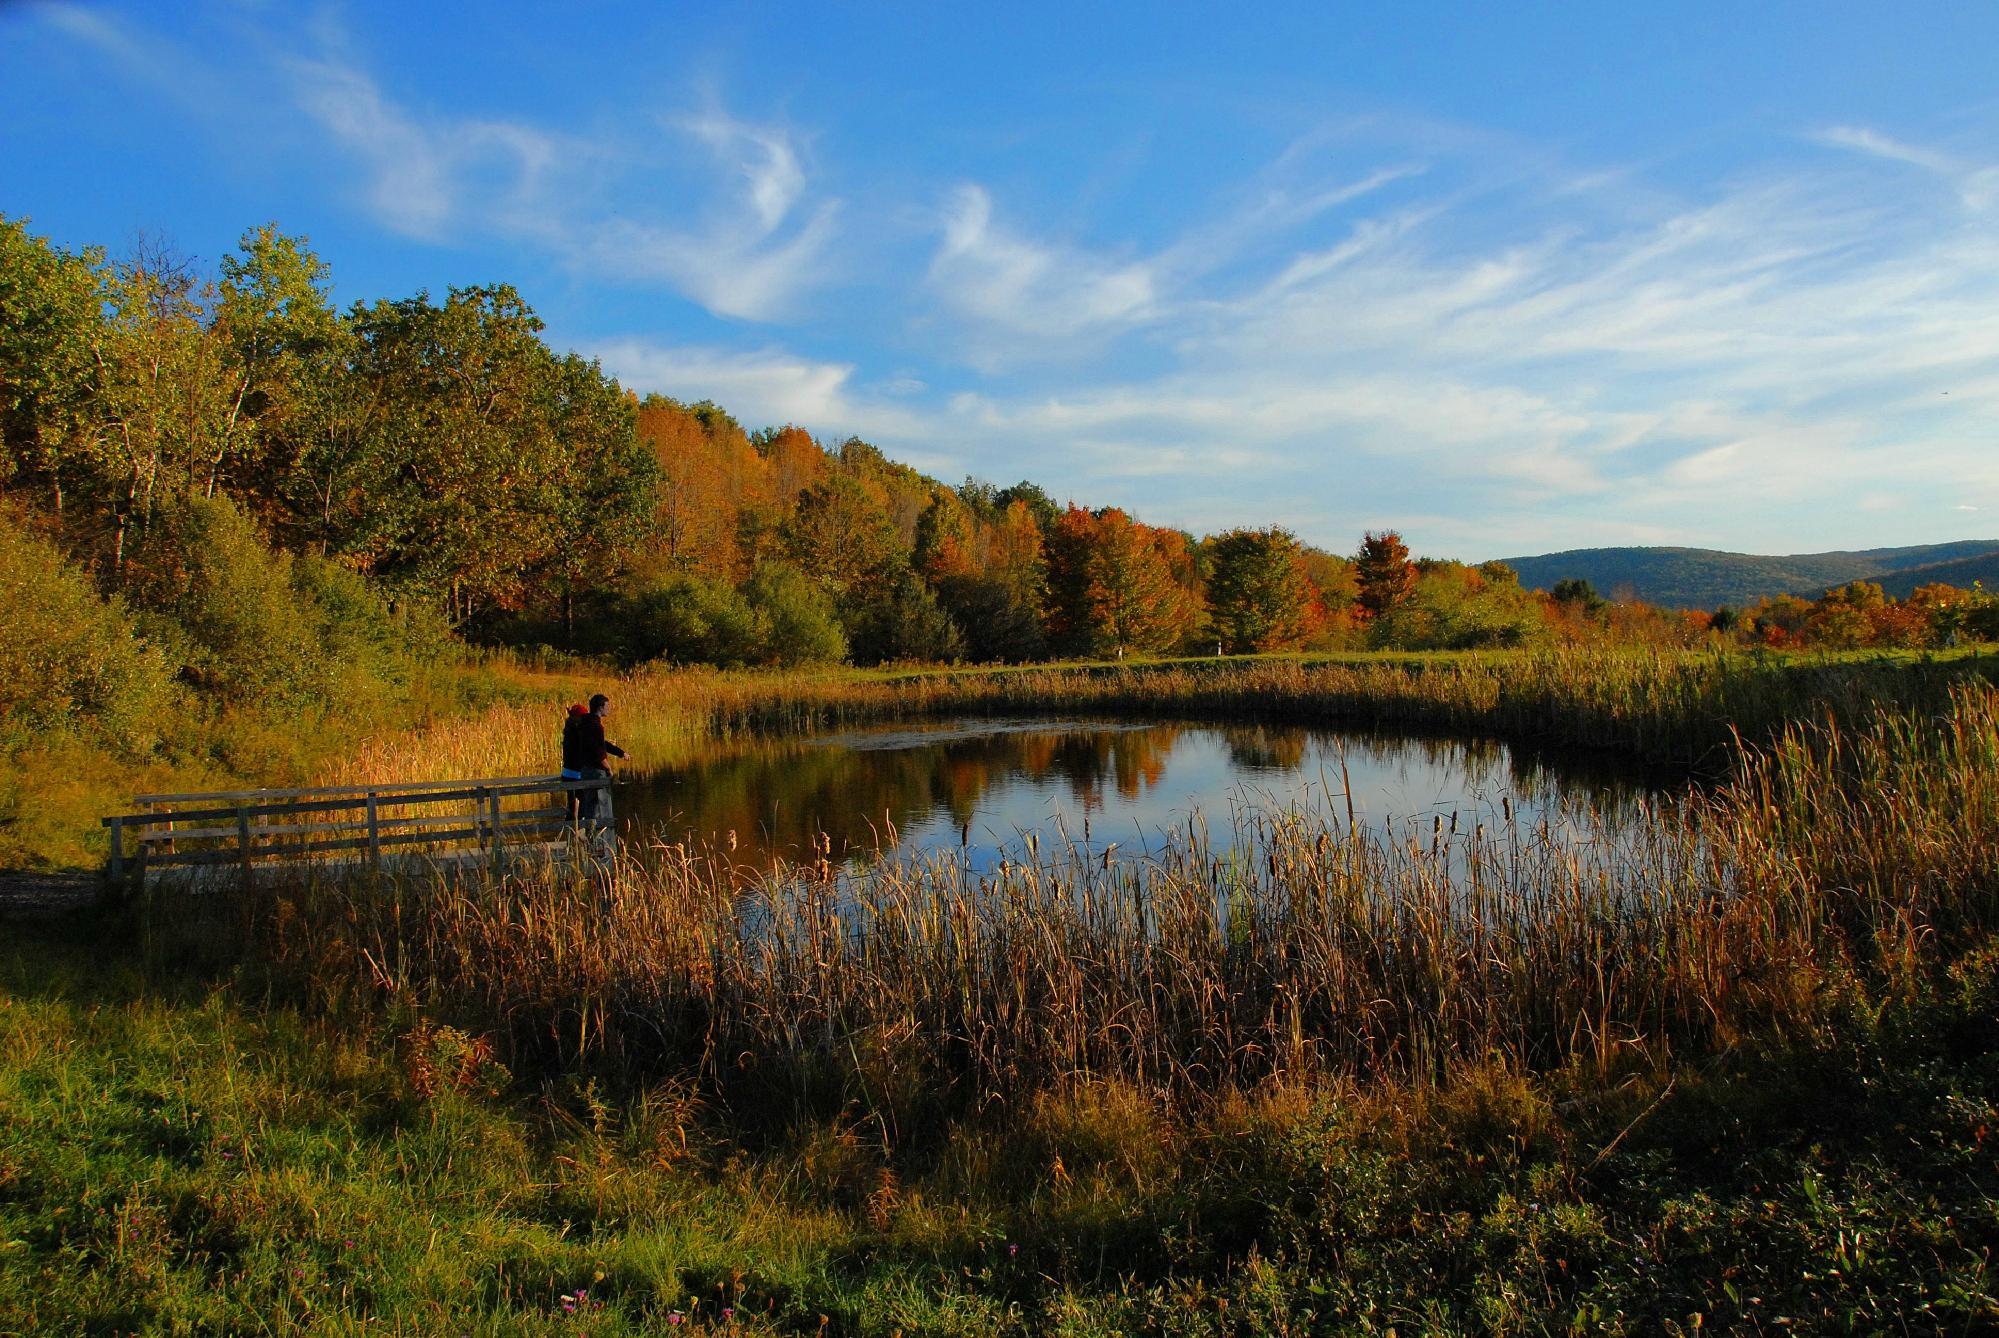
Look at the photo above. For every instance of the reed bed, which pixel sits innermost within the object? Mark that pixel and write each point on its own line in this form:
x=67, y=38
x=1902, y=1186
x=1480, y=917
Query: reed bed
x=1859, y=844
x=1664, y=707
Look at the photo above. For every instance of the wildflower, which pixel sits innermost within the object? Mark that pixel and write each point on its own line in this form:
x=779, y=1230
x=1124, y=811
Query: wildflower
x=675, y=1317
x=1012, y=1250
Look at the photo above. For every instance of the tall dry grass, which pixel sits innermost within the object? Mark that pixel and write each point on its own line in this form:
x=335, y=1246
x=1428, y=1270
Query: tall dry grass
x=1862, y=843
x=1664, y=707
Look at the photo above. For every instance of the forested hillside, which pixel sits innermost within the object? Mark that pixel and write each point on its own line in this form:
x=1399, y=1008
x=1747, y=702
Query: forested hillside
x=1962, y=572
x=1703, y=578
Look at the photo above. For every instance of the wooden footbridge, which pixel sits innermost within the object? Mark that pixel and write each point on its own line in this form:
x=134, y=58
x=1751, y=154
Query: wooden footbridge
x=355, y=826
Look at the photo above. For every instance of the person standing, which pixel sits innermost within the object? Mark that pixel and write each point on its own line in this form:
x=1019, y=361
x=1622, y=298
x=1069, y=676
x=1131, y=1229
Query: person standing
x=586, y=754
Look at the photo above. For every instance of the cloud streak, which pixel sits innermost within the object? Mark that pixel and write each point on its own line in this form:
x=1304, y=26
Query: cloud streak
x=748, y=249
x=1731, y=364
x=1382, y=320
x=760, y=248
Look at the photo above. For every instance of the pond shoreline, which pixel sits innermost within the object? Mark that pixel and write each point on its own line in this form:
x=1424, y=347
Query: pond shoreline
x=978, y=785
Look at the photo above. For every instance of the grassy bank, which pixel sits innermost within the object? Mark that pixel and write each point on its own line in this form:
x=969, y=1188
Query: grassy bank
x=1739, y=1071
x=53, y=793
x=177, y=1156
x=1676, y=708
x=495, y=715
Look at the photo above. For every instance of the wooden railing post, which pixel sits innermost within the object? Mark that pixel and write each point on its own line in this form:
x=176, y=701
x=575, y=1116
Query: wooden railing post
x=243, y=839
x=374, y=834
x=117, y=850
x=499, y=840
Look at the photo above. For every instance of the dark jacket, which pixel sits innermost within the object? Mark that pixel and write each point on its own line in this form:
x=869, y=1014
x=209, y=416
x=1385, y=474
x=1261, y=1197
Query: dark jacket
x=584, y=745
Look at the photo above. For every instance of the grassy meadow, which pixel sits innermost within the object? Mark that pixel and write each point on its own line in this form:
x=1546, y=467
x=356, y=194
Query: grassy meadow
x=1741, y=1073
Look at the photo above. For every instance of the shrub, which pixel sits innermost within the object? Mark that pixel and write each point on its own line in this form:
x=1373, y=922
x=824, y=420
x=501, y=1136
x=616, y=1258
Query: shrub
x=904, y=621
x=793, y=619
x=209, y=579
x=70, y=658
x=689, y=620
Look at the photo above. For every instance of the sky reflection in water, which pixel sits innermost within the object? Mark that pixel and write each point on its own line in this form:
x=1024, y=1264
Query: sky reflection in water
x=976, y=787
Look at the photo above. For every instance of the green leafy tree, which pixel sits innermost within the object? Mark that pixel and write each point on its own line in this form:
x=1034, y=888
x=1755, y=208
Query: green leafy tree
x=1258, y=595
x=841, y=534
x=72, y=660
x=1577, y=594
x=213, y=584
x=1454, y=607
x=458, y=489
x=282, y=350
x=1843, y=618
x=1030, y=495
x=164, y=395
x=794, y=621
x=690, y=620
x=905, y=621
x=53, y=335
x=607, y=488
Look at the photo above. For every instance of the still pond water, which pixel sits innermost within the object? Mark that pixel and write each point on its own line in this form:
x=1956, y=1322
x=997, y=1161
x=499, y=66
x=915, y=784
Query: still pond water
x=978, y=788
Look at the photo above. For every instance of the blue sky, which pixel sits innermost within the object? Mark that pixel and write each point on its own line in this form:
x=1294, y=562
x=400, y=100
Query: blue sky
x=1712, y=274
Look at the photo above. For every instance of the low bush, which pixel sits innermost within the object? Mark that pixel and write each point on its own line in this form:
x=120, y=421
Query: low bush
x=71, y=661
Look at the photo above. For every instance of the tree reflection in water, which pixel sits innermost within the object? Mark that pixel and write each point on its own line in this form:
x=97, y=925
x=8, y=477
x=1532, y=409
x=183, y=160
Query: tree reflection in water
x=977, y=787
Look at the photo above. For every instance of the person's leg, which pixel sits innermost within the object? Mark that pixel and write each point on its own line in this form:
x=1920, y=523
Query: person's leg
x=598, y=826
x=595, y=804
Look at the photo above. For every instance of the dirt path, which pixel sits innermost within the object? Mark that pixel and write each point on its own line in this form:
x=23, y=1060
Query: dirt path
x=25, y=893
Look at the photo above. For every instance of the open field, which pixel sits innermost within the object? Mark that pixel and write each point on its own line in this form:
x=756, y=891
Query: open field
x=1741, y=1075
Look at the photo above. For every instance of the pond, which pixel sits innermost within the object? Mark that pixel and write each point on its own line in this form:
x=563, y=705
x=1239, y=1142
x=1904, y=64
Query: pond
x=980, y=788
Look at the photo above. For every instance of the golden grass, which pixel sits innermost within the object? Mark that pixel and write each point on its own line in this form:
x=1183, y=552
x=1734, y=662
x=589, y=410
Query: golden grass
x=1861, y=841
x=1683, y=708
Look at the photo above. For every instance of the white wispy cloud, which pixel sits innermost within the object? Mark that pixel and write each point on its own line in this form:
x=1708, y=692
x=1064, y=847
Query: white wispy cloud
x=1736, y=363
x=429, y=175
x=1024, y=298
x=748, y=250
x=999, y=279
x=100, y=32
x=768, y=386
x=748, y=242
x=759, y=248
x=1977, y=183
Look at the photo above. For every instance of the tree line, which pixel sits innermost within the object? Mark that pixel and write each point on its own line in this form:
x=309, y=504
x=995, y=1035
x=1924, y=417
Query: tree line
x=208, y=449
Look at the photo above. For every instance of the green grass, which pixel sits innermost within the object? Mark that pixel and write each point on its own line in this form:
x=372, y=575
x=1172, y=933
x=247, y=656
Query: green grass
x=176, y=1156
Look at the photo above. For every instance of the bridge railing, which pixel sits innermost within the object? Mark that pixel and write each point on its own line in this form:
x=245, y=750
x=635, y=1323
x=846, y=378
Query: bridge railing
x=454, y=818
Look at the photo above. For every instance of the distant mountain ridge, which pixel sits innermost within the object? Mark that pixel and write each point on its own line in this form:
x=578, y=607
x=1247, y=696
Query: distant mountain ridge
x=1705, y=578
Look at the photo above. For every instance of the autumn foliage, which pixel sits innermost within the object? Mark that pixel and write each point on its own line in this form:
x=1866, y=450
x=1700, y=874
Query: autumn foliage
x=250, y=470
